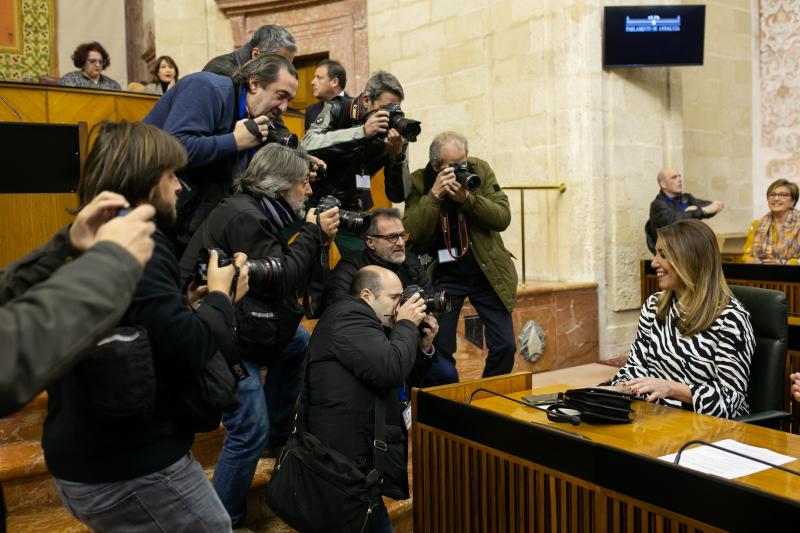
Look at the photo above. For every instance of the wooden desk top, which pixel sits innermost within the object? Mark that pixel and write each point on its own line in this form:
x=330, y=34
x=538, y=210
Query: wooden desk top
x=658, y=430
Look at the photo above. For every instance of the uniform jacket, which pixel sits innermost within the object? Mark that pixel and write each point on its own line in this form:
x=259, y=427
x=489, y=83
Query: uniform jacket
x=487, y=214
x=340, y=142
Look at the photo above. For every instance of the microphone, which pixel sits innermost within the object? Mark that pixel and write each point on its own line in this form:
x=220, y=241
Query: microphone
x=757, y=460
x=554, y=412
x=12, y=108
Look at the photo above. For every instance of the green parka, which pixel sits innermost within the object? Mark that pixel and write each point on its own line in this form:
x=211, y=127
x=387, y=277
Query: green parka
x=487, y=214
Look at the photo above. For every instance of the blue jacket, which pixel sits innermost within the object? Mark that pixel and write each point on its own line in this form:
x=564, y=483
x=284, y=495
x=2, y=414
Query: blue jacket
x=201, y=111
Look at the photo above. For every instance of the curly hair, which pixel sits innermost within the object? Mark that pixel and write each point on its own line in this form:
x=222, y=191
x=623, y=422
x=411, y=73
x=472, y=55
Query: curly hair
x=81, y=54
x=157, y=67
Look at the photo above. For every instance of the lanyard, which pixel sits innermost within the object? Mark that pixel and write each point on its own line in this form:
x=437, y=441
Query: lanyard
x=243, y=114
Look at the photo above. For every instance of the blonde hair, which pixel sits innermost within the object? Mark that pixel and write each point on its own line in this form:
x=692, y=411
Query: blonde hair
x=691, y=249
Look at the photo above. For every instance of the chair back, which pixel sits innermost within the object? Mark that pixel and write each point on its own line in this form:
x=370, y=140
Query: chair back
x=769, y=317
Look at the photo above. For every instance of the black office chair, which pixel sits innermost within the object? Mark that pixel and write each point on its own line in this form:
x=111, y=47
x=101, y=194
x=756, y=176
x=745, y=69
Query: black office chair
x=650, y=237
x=766, y=390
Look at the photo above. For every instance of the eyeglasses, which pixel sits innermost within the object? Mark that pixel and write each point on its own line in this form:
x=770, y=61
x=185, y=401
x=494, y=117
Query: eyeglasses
x=96, y=62
x=779, y=195
x=392, y=237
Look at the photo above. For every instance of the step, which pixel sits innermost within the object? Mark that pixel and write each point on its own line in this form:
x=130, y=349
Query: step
x=54, y=518
x=26, y=424
x=27, y=483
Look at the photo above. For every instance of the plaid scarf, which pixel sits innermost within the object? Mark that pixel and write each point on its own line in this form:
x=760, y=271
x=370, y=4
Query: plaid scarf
x=782, y=245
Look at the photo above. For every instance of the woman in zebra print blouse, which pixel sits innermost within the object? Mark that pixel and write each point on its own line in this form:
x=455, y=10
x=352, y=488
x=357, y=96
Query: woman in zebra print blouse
x=695, y=342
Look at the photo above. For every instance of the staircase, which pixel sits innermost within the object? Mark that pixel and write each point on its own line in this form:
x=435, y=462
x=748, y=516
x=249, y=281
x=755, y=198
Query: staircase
x=34, y=507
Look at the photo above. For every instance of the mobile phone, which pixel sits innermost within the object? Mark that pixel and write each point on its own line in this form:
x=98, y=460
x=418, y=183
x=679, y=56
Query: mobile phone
x=541, y=399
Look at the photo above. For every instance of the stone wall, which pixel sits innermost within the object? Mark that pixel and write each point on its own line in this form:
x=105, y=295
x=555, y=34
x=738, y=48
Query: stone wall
x=524, y=80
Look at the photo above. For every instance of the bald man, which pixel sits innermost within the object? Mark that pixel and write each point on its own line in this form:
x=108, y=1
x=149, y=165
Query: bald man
x=673, y=204
x=365, y=346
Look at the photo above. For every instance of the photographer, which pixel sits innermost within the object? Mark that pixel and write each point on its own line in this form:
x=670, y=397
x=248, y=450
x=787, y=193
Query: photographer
x=269, y=196
x=221, y=122
x=59, y=299
x=455, y=213
x=115, y=428
x=365, y=344
x=355, y=149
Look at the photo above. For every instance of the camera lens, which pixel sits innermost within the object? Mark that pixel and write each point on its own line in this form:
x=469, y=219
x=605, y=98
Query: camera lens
x=263, y=273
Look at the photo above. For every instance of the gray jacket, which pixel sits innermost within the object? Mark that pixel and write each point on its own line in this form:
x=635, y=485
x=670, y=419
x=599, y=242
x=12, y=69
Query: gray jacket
x=52, y=308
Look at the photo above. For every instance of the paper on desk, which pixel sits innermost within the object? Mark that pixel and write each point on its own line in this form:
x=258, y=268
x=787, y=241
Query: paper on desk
x=726, y=465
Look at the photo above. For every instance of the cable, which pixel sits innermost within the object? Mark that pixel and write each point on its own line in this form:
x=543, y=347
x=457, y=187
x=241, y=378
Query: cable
x=551, y=415
x=682, y=448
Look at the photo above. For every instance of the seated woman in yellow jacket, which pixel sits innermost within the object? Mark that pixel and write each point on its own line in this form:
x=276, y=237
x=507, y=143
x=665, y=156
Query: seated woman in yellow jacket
x=775, y=238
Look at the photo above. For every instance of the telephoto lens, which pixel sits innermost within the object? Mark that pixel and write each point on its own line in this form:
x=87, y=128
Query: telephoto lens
x=472, y=182
x=349, y=220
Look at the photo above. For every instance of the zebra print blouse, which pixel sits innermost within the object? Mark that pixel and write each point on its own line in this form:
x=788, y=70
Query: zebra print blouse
x=715, y=363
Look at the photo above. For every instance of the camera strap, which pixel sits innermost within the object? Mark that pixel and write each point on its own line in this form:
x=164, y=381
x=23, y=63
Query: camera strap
x=463, y=234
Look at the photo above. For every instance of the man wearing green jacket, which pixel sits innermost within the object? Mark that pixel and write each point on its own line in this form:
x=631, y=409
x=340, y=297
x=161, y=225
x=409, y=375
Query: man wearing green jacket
x=457, y=222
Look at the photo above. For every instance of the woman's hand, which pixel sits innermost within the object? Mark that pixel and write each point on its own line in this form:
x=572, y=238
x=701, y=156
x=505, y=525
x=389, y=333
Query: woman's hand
x=657, y=388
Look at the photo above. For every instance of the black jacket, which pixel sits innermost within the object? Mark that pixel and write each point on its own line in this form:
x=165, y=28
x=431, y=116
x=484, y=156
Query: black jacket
x=79, y=446
x=351, y=358
x=239, y=224
x=665, y=210
x=410, y=272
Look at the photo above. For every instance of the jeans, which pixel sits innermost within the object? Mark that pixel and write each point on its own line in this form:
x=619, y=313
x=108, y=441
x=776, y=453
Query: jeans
x=498, y=328
x=177, y=498
x=262, y=410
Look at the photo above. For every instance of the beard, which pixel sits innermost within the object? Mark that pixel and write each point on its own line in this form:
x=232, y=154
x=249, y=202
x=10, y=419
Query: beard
x=297, y=202
x=166, y=212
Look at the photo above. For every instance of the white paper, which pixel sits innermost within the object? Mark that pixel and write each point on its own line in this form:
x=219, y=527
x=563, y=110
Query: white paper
x=727, y=465
x=363, y=182
x=447, y=257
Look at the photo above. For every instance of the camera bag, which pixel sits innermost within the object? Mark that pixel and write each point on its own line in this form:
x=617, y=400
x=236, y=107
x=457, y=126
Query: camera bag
x=119, y=375
x=317, y=489
x=200, y=402
x=597, y=405
x=263, y=328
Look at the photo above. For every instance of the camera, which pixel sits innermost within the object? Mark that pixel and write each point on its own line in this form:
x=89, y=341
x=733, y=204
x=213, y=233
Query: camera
x=408, y=128
x=262, y=273
x=435, y=302
x=349, y=220
x=472, y=182
x=290, y=139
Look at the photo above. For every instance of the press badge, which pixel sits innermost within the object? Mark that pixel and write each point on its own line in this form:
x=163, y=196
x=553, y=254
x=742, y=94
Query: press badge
x=407, y=417
x=363, y=182
x=446, y=257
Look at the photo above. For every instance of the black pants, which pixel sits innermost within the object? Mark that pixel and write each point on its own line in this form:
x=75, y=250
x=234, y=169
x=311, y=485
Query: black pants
x=498, y=329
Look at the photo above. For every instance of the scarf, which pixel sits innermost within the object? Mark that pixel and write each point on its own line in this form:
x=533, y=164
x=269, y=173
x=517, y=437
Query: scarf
x=277, y=210
x=782, y=245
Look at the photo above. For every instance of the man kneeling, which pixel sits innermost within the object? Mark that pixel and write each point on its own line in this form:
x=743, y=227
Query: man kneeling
x=367, y=344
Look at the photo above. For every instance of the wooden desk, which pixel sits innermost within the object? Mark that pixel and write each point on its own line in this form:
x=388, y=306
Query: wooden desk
x=499, y=466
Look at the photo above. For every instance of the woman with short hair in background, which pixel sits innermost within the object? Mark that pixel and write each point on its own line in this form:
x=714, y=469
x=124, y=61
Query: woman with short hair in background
x=694, y=343
x=91, y=59
x=774, y=239
x=165, y=74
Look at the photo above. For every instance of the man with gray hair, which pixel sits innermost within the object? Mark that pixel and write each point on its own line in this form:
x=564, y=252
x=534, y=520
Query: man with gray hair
x=269, y=196
x=355, y=143
x=221, y=121
x=454, y=214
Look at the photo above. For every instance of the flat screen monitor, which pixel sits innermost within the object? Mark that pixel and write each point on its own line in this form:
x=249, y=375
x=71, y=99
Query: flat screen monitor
x=653, y=36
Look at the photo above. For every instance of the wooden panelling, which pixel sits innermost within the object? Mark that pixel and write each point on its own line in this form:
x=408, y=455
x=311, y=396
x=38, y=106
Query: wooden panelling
x=29, y=220
x=31, y=104
x=506, y=384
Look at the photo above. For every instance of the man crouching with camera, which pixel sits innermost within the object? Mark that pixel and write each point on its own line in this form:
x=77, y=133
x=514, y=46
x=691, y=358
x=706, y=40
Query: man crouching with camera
x=364, y=347
x=268, y=197
x=455, y=213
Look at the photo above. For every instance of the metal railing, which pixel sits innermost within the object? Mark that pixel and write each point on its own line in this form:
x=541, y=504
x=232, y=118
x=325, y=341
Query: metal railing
x=561, y=187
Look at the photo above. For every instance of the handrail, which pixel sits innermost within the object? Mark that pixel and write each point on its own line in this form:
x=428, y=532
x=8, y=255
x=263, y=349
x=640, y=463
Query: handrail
x=561, y=187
